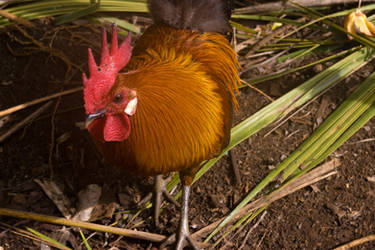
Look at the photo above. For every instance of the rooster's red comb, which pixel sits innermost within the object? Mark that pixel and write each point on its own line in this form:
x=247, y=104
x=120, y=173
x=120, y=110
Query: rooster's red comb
x=111, y=63
x=102, y=77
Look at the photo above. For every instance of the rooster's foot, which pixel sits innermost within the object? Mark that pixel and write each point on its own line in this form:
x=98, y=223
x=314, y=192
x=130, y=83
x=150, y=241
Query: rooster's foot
x=184, y=238
x=159, y=191
x=183, y=230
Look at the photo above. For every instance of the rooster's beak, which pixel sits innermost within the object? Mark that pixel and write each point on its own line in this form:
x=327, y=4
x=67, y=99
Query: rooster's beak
x=91, y=117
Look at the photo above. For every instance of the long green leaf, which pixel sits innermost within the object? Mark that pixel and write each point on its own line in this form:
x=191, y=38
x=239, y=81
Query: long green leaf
x=47, y=239
x=49, y=8
x=352, y=114
x=286, y=104
x=77, y=14
x=88, y=247
x=120, y=23
x=330, y=134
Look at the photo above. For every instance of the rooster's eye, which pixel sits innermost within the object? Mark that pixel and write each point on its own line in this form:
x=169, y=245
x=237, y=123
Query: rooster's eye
x=118, y=98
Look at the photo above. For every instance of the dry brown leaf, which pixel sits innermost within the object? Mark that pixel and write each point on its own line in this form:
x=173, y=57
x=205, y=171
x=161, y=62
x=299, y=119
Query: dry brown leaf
x=88, y=198
x=357, y=23
x=57, y=196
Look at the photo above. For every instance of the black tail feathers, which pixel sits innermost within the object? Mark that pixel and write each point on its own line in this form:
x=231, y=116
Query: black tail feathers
x=203, y=15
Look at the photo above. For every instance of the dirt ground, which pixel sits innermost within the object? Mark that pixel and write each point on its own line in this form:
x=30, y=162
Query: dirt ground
x=335, y=211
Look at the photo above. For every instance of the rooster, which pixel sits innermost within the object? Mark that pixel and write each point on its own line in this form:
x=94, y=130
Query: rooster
x=165, y=105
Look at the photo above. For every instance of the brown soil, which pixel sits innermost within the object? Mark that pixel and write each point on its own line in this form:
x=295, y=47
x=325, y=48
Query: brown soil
x=335, y=211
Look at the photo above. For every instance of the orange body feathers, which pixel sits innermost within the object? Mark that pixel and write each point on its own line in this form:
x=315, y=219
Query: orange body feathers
x=184, y=82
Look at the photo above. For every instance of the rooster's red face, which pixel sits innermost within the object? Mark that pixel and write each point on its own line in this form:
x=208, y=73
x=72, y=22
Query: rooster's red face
x=108, y=113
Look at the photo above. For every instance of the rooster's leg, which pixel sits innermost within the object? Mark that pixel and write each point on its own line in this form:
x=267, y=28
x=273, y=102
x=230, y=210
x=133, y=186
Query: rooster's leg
x=183, y=231
x=156, y=196
x=159, y=190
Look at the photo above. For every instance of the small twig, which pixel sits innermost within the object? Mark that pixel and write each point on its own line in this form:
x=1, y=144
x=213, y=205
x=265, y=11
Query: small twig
x=10, y=227
x=23, y=233
x=16, y=19
x=234, y=39
x=284, y=119
x=267, y=39
x=236, y=171
x=91, y=226
x=265, y=53
x=261, y=240
x=52, y=51
x=251, y=229
x=33, y=102
x=250, y=65
x=25, y=121
x=245, y=44
x=291, y=134
x=31, y=234
x=356, y=242
x=361, y=141
x=52, y=144
x=256, y=89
